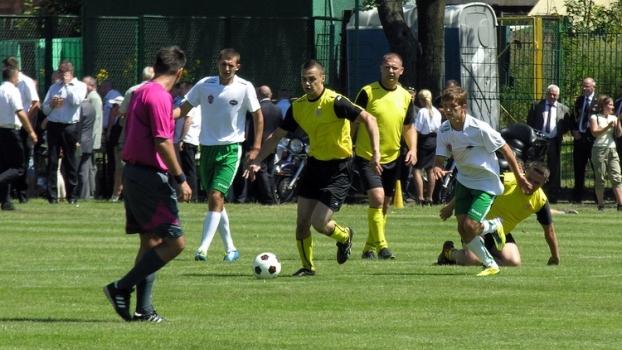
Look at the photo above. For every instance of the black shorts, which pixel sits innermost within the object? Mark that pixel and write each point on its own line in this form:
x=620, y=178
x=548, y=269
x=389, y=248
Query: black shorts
x=490, y=242
x=390, y=174
x=150, y=202
x=426, y=150
x=327, y=181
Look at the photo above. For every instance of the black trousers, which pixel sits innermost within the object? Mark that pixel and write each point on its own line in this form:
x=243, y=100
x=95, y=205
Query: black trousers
x=581, y=155
x=265, y=181
x=20, y=186
x=11, y=161
x=62, y=137
x=189, y=167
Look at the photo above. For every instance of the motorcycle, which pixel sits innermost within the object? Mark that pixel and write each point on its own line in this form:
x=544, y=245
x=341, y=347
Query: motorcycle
x=291, y=159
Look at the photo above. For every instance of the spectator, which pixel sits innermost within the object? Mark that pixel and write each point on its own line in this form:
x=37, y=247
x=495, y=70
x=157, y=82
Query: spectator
x=87, y=120
x=603, y=124
x=584, y=107
x=427, y=123
x=189, y=145
x=12, y=119
x=550, y=116
x=62, y=107
x=112, y=131
x=283, y=101
x=265, y=185
x=96, y=102
x=31, y=105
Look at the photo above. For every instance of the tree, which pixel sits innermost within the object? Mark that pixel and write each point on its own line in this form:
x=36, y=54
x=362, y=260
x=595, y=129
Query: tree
x=423, y=58
x=53, y=7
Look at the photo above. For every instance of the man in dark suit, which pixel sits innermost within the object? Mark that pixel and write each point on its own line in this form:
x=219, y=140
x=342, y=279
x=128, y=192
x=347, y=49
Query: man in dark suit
x=584, y=107
x=617, y=108
x=87, y=122
x=550, y=116
x=271, y=121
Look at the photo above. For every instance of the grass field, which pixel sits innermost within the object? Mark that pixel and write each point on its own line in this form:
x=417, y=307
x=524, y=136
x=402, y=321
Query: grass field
x=54, y=261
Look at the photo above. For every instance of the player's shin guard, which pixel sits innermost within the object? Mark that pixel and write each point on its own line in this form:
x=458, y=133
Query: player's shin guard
x=305, y=250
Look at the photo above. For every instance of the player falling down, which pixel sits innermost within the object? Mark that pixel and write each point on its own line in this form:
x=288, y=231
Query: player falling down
x=512, y=207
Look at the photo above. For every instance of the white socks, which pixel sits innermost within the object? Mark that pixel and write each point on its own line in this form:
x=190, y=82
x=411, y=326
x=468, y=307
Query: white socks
x=479, y=249
x=210, y=224
x=225, y=231
x=216, y=221
x=490, y=226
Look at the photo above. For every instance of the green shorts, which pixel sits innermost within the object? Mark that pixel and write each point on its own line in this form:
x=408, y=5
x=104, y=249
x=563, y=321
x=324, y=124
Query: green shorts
x=218, y=165
x=474, y=203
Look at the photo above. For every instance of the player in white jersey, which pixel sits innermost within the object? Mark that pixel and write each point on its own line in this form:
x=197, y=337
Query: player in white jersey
x=224, y=101
x=473, y=143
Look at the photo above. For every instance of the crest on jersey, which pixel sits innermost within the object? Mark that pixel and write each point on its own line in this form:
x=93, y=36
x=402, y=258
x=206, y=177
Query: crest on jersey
x=210, y=99
x=449, y=147
x=318, y=112
x=233, y=102
x=528, y=206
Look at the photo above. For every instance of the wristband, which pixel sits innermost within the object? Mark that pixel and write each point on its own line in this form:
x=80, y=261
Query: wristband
x=180, y=179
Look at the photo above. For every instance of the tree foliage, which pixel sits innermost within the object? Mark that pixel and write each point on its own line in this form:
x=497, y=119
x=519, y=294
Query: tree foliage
x=584, y=16
x=423, y=55
x=53, y=7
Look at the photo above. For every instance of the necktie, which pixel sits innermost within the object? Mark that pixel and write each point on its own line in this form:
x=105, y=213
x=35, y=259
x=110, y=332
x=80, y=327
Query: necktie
x=549, y=117
x=584, y=115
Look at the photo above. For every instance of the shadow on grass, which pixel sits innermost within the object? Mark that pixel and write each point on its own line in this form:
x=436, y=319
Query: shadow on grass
x=55, y=320
x=214, y=275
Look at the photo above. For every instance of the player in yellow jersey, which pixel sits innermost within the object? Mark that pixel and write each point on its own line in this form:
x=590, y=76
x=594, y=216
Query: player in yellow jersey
x=391, y=104
x=325, y=116
x=513, y=207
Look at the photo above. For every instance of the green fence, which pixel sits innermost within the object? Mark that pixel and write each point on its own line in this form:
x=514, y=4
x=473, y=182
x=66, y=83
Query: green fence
x=532, y=53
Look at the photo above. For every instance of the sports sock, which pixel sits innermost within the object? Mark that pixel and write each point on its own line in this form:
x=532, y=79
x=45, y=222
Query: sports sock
x=479, y=249
x=449, y=254
x=143, y=295
x=305, y=250
x=375, y=219
x=148, y=264
x=340, y=234
x=489, y=226
x=210, y=224
x=225, y=231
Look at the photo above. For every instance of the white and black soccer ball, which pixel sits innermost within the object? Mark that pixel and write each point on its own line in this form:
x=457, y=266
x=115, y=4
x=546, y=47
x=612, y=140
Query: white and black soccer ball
x=266, y=265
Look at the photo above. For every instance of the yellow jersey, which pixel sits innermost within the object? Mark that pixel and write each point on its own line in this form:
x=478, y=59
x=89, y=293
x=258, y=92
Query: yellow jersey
x=327, y=122
x=392, y=109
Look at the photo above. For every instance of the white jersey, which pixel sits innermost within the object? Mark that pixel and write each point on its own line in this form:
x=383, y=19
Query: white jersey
x=223, y=109
x=10, y=102
x=473, y=149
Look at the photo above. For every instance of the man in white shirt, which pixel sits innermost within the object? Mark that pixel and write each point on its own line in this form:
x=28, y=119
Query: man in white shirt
x=111, y=132
x=30, y=102
x=189, y=142
x=62, y=107
x=12, y=118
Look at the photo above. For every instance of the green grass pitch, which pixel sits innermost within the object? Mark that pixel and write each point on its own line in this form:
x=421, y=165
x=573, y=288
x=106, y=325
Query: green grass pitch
x=55, y=259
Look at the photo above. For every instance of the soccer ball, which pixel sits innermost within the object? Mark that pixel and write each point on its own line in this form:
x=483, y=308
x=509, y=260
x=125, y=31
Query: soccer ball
x=266, y=265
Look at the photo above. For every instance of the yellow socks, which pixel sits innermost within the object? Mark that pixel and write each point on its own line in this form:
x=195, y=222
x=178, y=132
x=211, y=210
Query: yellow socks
x=305, y=250
x=340, y=234
x=376, y=221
